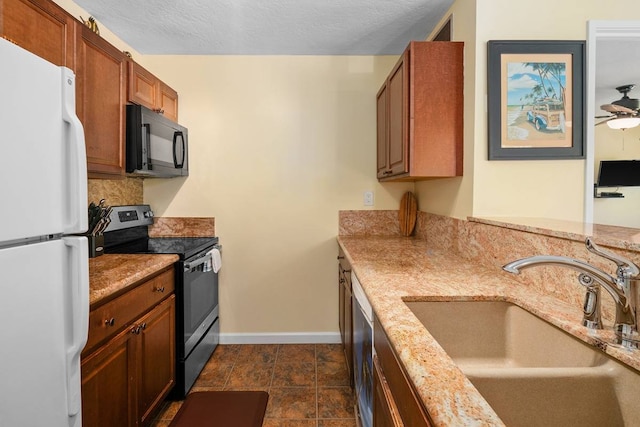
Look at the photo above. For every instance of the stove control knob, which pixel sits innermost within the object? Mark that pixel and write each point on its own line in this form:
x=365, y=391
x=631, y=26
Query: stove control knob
x=148, y=214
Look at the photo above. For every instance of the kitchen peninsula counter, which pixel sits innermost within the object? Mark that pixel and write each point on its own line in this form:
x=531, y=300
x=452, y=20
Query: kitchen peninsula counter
x=393, y=270
x=111, y=275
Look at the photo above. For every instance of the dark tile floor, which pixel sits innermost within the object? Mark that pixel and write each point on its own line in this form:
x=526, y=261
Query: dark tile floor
x=308, y=384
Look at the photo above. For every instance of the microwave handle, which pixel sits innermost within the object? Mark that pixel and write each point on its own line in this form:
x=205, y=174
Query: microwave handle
x=146, y=145
x=179, y=165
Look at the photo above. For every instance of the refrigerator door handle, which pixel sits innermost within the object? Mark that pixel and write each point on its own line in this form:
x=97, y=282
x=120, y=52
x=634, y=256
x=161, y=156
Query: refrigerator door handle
x=76, y=219
x=77, y=298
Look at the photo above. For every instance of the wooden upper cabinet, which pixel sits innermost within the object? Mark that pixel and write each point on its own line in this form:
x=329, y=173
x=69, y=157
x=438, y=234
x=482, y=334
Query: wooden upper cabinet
x=398, y=112
x=423, y=113
x=381, y=130
x=146, y=89
x=142, y=86
x=41, y=27
x=100, y=103
x=168, y=102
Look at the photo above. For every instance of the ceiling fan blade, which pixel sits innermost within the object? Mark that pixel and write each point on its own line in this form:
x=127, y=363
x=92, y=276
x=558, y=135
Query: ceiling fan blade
x=613, y=108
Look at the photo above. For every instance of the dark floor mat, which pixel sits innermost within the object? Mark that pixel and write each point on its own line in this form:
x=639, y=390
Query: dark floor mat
x=223, y=409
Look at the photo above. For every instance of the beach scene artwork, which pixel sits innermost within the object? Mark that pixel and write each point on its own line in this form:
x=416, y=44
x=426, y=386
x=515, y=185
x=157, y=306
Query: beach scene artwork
x=536, y=100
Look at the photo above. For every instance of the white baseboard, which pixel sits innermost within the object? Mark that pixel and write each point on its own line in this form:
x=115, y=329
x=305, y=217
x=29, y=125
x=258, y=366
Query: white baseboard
x=281, y=338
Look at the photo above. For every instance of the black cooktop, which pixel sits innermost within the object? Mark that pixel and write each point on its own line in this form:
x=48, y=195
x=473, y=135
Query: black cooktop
x=184, y=247
x=127, y=233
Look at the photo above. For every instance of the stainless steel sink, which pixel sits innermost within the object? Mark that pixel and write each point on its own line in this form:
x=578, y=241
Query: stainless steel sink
x=529, y=371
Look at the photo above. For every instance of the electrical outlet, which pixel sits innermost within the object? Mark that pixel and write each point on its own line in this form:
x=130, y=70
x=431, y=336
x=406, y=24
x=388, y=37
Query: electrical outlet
x=368, y=198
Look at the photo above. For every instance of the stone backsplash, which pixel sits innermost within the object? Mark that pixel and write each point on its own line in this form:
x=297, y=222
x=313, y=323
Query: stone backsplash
x=494, y=245
x=182, y=227
x=127, y=191
x=369, y=223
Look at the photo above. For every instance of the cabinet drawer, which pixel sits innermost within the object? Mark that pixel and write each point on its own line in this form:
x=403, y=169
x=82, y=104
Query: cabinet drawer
x=109, y=319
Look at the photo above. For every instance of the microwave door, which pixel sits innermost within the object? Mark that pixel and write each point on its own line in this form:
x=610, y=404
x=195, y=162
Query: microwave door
x=161, y=152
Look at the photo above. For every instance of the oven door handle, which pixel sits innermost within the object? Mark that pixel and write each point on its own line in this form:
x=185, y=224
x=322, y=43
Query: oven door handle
x=207, y=258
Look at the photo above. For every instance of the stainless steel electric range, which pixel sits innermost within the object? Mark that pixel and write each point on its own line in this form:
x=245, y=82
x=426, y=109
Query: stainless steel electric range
x=197, y=319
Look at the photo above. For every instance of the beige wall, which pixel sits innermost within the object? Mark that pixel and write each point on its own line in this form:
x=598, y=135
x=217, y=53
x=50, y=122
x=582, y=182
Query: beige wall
x=278, y=145
x=553, y=189
x=617, y=145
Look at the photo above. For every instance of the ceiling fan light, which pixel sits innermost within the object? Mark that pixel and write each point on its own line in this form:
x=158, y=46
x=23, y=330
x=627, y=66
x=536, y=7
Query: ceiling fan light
x=624, y=123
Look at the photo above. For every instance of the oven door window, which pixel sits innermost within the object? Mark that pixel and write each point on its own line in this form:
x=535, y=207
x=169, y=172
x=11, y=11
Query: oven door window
x=201, y=300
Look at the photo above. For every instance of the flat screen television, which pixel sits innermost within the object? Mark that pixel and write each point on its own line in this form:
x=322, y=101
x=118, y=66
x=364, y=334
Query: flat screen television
x=619, y=173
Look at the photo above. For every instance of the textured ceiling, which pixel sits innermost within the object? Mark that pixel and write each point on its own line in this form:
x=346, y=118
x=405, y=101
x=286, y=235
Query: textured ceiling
x=268, y=27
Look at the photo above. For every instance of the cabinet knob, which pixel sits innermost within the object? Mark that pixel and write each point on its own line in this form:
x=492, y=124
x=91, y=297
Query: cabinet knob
x=340, y=257
x=136, y=329
x=387, y=172
x=110, y=322
x=160, y=289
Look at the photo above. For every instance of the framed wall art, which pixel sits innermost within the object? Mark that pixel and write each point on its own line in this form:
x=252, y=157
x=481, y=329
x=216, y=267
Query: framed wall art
x=536, y=95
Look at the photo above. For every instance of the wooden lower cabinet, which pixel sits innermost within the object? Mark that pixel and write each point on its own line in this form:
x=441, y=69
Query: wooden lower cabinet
x=107, y=392
x=396, y=403
x=125, y=380
x=157, y=359
x=345, y=319
x=385, y=411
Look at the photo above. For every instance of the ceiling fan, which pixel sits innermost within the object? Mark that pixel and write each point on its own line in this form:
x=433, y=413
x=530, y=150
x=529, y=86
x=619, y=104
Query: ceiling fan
x=624, y=111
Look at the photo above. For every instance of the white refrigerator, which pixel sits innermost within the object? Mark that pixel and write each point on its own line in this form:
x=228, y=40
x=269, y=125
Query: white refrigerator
x=44, y=273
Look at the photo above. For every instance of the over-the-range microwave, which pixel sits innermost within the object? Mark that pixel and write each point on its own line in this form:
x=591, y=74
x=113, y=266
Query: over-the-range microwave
x=156, y=146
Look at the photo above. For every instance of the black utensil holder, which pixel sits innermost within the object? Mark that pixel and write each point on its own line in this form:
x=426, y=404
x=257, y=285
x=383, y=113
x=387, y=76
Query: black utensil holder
x=96, y=245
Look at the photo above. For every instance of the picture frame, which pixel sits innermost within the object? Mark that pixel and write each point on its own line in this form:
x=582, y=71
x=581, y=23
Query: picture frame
x=535, y=99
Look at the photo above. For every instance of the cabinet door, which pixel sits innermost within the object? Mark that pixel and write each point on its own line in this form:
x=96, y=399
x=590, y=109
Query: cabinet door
x=156, y=357
x=411, y=410
x=40, y=27
x=168, y=101
x=385, y=412
x=382, y=132
x=142, y=86
x=100, y=101
x=108, y=394
x=145, y=89
x=398, y=145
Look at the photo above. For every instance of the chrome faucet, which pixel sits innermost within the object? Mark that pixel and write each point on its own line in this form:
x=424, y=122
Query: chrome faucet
x=623, y=288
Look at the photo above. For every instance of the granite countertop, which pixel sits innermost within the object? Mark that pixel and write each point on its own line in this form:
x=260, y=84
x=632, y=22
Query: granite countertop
x=392, y=270
x=112, y=274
